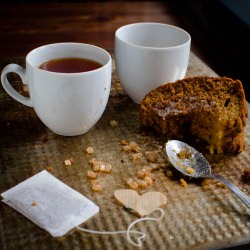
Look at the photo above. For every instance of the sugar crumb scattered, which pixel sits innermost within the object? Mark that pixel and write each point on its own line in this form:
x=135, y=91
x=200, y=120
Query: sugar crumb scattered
x=90, y=150
x=68, y=162
x=113, y=123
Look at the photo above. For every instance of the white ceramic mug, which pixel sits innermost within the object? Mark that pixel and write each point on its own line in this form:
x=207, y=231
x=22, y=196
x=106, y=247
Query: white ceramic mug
x=148, y=55
x=68, y=104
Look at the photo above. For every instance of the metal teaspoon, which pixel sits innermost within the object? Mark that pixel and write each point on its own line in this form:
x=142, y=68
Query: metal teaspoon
x=192, y=163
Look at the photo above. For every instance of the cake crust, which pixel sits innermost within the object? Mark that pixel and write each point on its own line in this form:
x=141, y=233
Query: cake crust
x=212, y=109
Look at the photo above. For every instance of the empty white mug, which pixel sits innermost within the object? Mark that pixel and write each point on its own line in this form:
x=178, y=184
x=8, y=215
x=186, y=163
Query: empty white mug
x=148, y=55
x=68, y=104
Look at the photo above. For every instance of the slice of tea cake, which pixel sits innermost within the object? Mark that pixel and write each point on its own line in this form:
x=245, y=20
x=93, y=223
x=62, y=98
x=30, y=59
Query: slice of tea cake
x=207, y=108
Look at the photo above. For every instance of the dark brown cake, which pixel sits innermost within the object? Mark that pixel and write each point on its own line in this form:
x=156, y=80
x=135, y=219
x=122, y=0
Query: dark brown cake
x=207, y=108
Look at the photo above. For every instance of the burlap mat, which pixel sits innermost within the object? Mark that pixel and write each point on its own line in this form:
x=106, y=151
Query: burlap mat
x=200, y=216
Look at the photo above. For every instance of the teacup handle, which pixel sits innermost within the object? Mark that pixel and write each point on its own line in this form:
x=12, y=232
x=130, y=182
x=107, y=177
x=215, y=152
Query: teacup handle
x=15, y=68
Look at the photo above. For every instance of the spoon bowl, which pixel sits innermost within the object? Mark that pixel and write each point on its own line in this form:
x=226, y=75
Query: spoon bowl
x=192, y=163
x=187, y=160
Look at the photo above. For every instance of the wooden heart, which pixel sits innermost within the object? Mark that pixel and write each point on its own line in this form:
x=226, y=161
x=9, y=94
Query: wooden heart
x=141, y=205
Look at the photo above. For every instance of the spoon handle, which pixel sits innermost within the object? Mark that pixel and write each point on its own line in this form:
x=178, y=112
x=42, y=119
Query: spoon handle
x=233, y=188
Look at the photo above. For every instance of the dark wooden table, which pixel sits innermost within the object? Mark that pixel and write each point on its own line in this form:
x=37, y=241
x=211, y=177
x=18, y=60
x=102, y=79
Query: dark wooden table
x=26, y=26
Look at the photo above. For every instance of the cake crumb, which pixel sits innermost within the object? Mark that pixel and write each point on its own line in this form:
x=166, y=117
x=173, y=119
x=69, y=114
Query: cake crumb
x=91, y=174
x=50, y=169
x=126, y=148
x=33, y=204
x=136, y=156
x=190, y=170
x=152, y=157
x=142, y=184
x=108, y=168
x=124, y=142
x=148, y=180
x=113, y=123
x=220, y=185
x=246, y=175
x=68, y=162
x=183, y=183
x=132, y=184
x=90, y=150
x=96, y=166
x=96, y=187
x=143, y=173
x=205, y=183
x=134, y=147
x=169, y=173
x=155, y=166
x=102, y=167
x=186, y=153
x=92, y=161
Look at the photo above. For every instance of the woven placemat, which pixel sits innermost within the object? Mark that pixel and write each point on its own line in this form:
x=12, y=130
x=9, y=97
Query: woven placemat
x=204, y=215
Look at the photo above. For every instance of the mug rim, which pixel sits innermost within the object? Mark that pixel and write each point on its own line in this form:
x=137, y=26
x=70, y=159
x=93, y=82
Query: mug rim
x=36, y=67
x=118, y=36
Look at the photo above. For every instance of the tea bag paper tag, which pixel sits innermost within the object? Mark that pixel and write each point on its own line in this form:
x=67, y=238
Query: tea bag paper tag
x=50, y=204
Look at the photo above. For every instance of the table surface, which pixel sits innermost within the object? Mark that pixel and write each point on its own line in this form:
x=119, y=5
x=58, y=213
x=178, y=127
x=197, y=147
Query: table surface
x=27, y=26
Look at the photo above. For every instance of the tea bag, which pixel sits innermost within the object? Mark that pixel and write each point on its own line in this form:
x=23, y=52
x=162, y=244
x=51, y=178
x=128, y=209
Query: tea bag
x=57, y=208
x=50, y=204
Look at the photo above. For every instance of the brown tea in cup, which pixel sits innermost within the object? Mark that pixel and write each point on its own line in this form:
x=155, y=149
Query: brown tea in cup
x=69, y=65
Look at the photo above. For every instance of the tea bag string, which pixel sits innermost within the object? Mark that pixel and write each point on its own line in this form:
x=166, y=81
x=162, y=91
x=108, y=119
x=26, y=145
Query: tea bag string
x=128, y=232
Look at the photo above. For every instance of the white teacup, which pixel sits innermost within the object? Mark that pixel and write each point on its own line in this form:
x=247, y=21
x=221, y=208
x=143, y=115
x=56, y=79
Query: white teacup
x=68, y=104
x=150, y=54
